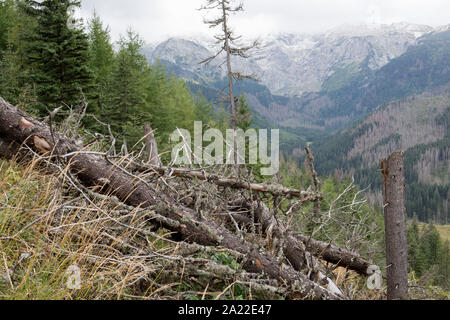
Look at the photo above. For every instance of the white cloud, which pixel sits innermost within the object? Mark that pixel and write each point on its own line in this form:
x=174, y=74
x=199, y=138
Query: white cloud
x=156, y=20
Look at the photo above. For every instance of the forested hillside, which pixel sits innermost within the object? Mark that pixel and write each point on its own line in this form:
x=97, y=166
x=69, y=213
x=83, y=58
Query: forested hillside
x=406, y=99
x=417, y=124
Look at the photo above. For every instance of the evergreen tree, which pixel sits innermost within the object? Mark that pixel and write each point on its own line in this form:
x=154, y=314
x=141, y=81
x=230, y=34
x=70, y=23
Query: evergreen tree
x=244, y=118
x=427, y=254
x=127, y=106
x=14, y=68
x=101, y=60
x=171, y=105
x=433, y=242
x=6, y=20
x=203, y=109
x=413, y=238
x=444, y=269
x=9, y=80
x=59, y=55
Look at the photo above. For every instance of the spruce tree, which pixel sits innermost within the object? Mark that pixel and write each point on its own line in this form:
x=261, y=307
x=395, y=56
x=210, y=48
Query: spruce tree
x=101, y=60
x=6, y=17
x=15, y=86
x=413, y=237
x=8, y=80
x=444, y=264
x=59, y=55
x=203, y=110
x=128, y=104
x=244, y=117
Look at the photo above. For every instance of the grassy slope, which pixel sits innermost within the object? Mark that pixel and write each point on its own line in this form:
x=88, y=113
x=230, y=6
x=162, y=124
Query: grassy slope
x=444, y=231
x=39, y=242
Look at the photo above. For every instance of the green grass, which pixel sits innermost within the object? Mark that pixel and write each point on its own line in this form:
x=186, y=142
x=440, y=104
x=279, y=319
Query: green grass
x=444, y=231
x=35, y=257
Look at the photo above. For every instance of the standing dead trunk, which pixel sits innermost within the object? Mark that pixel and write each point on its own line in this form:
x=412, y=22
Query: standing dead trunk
x=227, y=39
x=230, y=81
x=395, y=224
x=152, y=147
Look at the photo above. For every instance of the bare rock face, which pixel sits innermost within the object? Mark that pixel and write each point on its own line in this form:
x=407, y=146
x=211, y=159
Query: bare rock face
x=293, y=64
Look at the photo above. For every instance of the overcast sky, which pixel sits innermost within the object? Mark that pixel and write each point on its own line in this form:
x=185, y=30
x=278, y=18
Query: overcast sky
x=156, y=20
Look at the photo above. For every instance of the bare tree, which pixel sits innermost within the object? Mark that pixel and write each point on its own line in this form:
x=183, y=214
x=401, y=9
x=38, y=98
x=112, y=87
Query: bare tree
x=392, y=170
x=229, y=46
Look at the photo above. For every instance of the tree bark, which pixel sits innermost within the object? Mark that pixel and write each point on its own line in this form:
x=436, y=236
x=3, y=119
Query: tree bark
x=95, y=172
x=335, y=255
x=395, y=225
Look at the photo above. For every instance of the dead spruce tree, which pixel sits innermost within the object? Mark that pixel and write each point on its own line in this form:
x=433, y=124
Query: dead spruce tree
x=230, y=47
x=173, y=204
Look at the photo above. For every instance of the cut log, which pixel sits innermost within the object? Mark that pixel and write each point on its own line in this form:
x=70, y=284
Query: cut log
x=94, y=171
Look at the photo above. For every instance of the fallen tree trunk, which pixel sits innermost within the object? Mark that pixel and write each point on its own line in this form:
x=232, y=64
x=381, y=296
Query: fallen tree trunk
x=95, y=172
x=322, y=250
x=233, y=183
x=335, y=255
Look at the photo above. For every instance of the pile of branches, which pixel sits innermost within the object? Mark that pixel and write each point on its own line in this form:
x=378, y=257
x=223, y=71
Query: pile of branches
x=200, y=216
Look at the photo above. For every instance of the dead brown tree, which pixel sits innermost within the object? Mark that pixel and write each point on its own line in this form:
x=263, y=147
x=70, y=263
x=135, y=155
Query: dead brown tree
x=228, y=45
x=395, y=223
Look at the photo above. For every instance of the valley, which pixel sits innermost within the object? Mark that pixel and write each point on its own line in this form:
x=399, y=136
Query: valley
x=356, y=93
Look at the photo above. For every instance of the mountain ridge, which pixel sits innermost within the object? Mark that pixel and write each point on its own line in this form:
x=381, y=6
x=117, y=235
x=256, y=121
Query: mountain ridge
x=292, y=64
x=349, y=94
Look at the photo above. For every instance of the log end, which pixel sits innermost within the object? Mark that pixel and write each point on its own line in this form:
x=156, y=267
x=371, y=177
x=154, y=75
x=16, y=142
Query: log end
x=25, y=124
x=41, y=145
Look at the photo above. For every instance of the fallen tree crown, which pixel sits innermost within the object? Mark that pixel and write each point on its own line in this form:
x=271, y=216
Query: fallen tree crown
x=19, y=131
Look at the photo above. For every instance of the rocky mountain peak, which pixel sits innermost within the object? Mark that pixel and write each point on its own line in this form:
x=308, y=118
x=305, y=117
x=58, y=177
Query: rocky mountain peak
x=293, y=63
